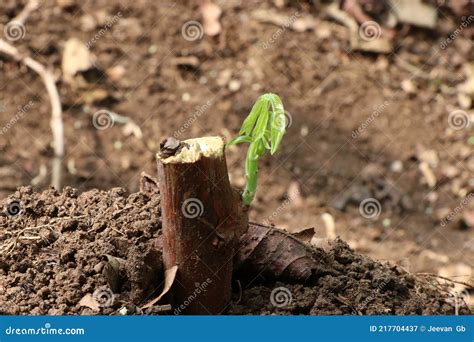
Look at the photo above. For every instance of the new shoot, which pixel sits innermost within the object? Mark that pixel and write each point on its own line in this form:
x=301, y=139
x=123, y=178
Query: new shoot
x=263, y=130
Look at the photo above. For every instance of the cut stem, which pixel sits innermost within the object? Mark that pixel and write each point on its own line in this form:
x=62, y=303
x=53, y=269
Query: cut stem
x=203, y=219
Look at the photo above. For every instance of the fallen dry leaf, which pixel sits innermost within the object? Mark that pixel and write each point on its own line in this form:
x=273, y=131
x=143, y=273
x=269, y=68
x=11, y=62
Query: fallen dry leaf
x=170, y=275
x=89, y=301
x=415, y=12
x=76, y=58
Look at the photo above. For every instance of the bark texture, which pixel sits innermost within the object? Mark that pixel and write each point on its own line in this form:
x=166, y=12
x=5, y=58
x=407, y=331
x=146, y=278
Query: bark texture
x=203, y=220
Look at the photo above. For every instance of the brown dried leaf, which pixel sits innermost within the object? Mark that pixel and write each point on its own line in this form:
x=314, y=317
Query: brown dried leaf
x=170, y=276
x=89, y=301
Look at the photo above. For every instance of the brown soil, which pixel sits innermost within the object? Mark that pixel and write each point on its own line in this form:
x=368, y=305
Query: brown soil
x=55, y=251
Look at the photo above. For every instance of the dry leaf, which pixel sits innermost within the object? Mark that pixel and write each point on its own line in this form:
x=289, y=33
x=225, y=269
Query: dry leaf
x=76, y=58
x=373, y=40
x=89, y=301
x=170, y=275
x=415, y=12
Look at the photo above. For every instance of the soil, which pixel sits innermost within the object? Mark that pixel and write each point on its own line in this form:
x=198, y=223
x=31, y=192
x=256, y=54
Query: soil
x=57, y=249
x=328, y=90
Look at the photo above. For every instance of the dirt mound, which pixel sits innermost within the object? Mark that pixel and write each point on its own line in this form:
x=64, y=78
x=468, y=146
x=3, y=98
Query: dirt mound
x=57, y=248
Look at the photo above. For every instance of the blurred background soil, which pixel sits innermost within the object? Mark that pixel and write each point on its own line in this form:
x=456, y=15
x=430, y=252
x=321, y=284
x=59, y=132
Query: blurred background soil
x=361, y=124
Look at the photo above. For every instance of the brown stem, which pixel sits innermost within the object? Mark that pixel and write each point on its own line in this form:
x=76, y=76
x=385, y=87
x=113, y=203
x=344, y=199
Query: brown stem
x=203, y=220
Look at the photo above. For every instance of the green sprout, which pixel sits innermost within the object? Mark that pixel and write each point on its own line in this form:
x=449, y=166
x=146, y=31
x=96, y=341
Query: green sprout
x=263, y=129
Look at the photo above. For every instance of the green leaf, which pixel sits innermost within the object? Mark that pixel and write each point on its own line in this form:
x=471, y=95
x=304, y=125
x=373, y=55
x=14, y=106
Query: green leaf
x=252, y=153
x=278, y=124
x=261, y=125
x=263, y=129
x=251, y=119
x=240, y=139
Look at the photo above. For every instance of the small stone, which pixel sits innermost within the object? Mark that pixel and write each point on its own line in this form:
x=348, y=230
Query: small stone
x=234, y=85
x=304, y=131
x=152, y=49
x=396, y=166
x=408, y=86
x=465, y=101
x=186, y=97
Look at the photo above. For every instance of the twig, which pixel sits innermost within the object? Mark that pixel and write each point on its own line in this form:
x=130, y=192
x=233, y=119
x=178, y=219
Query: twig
x=57, y=126
x=469, y=286
x=30, y=7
